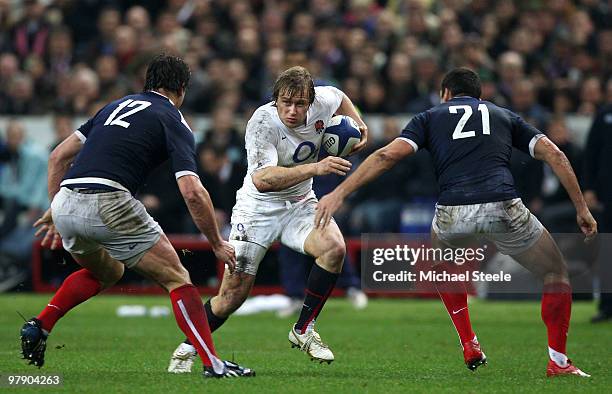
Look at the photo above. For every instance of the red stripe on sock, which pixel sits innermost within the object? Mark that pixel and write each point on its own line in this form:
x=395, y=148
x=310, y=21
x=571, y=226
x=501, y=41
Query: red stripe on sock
x=313, y=294
x=316, y=311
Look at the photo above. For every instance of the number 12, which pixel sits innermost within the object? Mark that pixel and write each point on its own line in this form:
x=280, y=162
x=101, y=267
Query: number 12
x=459, y=133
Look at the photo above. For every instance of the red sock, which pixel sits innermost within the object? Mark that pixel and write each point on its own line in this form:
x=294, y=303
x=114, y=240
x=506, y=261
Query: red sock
x=556, y=312
x=77, y=288
x=454, y=297
x=191, y=319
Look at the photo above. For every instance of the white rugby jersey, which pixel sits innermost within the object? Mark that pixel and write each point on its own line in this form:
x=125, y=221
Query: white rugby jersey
x=270, y=143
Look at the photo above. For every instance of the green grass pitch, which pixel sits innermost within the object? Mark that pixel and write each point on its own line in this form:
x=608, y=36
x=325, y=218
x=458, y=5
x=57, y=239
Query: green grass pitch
x=392, y=346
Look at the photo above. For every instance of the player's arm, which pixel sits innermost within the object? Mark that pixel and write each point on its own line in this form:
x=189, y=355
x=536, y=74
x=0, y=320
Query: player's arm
x=276, y=178
x=376, y=164
x=267, y=176
x=548, y=152
x=181, y=149
x=348, y=108
x=202, y=212
x=59, y=162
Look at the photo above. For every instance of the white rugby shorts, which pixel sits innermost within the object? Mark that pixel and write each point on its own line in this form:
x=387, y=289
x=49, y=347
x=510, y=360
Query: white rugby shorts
x=115, y=221
x=256, y=224
x=508, y=224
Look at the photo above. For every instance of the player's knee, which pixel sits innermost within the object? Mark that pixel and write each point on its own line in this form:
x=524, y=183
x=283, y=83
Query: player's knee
x=336, y=252
x=556, y=273
x=112, y=276
x=176, y=275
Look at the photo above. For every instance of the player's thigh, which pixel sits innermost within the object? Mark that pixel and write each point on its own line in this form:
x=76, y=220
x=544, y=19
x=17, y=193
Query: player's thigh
x=125, y=228
x=300, y=234
x=324, y=241
x=162, y=265
x=103, y=267
x=454, y=226
x=255, y=226
x=543, y=258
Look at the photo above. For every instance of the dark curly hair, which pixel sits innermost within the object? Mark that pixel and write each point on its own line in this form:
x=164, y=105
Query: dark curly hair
x=167, y=72
x=462, y=81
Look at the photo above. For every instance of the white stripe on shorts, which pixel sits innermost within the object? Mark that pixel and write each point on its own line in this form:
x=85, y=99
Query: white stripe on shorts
x=99, y=181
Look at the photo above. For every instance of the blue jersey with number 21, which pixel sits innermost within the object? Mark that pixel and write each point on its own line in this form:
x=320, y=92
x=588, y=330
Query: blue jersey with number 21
x=471, y=142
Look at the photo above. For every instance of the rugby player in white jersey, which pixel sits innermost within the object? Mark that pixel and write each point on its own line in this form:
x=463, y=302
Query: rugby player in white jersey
x=276, y=202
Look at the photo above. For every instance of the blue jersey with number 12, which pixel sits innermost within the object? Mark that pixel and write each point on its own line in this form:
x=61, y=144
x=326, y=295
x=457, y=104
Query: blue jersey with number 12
x=127, y=139
x=471, y=142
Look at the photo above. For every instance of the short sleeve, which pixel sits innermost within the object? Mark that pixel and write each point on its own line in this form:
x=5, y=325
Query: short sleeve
x=83, y=131
x=524, y=135
x=180, y=144
x=330, y=97
x=260, y=142
x=414, y=132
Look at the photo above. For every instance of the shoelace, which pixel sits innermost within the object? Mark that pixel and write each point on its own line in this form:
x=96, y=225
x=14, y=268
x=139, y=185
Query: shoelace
x=313, y=337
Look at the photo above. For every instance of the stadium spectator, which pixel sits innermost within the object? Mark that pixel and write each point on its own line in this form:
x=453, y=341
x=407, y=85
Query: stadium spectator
x=221, y=177
x=557, y=47
x=112, y=84
x=103, y=42
x=29, y=35
x=524, y=102
x=62, y=128
x=598, y=194
x=557, y=212
x=224, y=135
x=22, y=190
x=20, y=97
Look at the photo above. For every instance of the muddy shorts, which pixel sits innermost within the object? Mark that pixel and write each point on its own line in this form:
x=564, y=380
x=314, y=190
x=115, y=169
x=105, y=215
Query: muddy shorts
x=508, y=224
x=115, y=221
x=257, y=224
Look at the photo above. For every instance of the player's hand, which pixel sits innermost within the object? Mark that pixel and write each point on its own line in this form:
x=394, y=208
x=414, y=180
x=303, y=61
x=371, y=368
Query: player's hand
x=327, y=206
x=45, y=226
x=587, y=224
x=364, y=140
x=333, y=165
x=225, y=252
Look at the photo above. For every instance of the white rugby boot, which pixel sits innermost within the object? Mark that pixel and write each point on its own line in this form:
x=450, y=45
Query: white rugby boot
x=310, y=342
x=182, y=359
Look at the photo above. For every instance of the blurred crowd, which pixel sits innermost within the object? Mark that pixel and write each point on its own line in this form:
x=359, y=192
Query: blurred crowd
x=542, y=59
x=537, y=57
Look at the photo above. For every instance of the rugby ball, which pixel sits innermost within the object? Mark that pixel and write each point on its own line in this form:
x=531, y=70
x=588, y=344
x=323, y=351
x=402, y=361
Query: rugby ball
x=341, y=135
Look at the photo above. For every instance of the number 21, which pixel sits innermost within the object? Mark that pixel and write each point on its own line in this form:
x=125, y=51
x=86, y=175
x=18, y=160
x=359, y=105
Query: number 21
x=459, y=133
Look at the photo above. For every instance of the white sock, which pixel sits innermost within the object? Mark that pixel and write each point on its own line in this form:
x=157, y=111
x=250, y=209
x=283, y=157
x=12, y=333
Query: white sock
x=559, y=358
x=310, y=326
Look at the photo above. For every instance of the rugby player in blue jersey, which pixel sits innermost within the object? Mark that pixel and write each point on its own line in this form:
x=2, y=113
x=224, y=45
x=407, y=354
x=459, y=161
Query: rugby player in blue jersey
x=470, y=141
x=93, y=176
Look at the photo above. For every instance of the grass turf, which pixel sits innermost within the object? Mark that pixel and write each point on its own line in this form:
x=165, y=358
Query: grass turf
x=392, y=346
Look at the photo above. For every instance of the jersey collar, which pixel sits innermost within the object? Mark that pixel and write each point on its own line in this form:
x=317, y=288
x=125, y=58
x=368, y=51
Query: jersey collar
x=167, y=98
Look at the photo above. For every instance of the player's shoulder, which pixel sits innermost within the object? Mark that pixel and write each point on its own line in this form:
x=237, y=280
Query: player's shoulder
x=327, y=94
x=264, y=116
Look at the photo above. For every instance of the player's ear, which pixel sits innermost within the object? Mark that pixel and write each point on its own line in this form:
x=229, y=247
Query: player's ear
x=445, y=95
